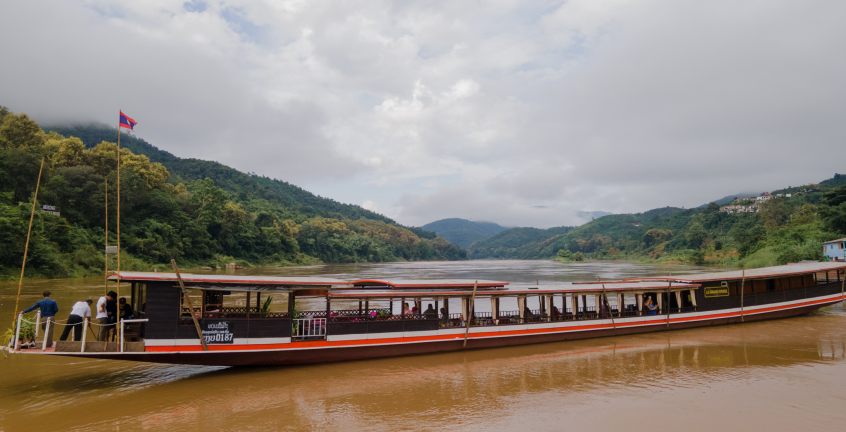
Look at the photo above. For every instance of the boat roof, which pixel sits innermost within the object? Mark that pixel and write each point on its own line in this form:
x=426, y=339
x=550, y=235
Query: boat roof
x=427, y=283
x=232, y=280
x=563, y=288
x=835, y=240
x=787, y=270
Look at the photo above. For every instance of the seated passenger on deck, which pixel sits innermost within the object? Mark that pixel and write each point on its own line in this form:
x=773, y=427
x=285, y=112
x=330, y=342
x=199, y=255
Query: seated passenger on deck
x=126, y=311
x=430, y=312
x=651, y=308
x=527, y=314
x=556, y=314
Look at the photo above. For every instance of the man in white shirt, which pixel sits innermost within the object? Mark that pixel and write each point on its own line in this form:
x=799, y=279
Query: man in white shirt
x=79, y=311
x=103, y=317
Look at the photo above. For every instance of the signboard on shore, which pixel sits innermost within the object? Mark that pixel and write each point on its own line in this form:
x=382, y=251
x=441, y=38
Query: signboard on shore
x=49, y=209
x=218, y=332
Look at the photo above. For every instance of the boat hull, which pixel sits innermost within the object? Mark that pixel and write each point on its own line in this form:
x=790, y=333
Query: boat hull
x=362, y=347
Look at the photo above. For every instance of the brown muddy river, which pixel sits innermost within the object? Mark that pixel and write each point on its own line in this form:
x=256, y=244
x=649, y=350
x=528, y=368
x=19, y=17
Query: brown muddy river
x=781, y=375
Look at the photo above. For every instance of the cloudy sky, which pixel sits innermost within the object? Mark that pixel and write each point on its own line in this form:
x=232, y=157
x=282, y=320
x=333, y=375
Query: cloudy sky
x=518, y=112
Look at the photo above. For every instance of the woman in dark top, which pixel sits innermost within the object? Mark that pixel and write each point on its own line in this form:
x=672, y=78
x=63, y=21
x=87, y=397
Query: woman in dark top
x=126, y=311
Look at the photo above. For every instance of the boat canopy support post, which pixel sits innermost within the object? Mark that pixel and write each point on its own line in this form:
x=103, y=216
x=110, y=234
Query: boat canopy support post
x=669, y=303
x=471, y=313
x=742, y=290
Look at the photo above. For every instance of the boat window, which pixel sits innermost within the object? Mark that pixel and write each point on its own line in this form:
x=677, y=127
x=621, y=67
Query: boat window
x=139, y=299
x=196, y=297
x=771, y=285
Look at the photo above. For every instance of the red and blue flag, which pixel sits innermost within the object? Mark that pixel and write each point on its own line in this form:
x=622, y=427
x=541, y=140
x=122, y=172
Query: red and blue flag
x=127, y=121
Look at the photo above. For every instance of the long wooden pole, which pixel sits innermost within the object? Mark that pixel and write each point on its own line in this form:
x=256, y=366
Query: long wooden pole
x=472, y=311
x=26, y=243
x=190, y=304
x=117, y=227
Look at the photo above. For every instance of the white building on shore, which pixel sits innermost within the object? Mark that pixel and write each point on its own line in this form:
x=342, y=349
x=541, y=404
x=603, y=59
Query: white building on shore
x=835, y=250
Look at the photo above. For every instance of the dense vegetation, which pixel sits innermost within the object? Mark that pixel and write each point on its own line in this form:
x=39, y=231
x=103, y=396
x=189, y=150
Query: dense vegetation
x=785, y=229
x=196, y=211
x=462, y=232
x=519, y=243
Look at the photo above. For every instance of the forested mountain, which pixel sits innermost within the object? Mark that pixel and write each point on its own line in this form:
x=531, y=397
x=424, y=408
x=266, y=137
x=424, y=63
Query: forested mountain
x=294, y=199
x=520, y=243
x=198, y=212
x=463, y=232
x=784, y=229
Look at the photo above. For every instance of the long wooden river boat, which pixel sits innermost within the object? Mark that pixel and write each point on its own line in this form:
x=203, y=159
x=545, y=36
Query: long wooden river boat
x=228, y=320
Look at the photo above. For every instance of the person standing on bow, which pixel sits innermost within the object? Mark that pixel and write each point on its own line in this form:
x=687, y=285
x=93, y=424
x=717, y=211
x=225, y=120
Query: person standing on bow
x=79, y=312
x=103, y=315
x=49, y=308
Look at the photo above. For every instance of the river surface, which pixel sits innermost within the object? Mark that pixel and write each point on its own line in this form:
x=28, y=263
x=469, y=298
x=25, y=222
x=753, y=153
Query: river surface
x=781, y=375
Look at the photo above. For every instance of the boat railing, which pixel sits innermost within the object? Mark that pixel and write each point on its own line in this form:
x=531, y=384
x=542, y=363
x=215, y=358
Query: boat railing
x=122, y=331
x=308, y=328
x=355, y=315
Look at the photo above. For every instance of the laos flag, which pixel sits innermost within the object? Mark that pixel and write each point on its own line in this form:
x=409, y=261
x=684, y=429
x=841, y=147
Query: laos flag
x=127, y=121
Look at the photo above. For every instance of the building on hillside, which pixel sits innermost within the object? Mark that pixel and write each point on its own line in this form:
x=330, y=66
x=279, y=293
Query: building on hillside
x=835, y=250
x=739, y=208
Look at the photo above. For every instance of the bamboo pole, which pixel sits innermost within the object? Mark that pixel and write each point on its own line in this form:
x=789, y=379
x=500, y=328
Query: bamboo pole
x=28, y=235
x=471, y=308
x=190, y=305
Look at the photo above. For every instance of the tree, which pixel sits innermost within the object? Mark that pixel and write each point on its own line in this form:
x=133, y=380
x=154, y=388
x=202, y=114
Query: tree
x=19, y=131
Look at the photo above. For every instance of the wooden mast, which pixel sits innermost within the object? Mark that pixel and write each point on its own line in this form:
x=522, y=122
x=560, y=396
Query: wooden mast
x=26, y=243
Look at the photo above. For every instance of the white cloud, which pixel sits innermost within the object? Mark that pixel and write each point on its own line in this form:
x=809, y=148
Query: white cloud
x=520, y=113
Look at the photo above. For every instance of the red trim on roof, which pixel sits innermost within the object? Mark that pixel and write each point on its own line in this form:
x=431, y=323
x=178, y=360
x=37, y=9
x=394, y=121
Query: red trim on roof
x=215, y=279
x=428, y=284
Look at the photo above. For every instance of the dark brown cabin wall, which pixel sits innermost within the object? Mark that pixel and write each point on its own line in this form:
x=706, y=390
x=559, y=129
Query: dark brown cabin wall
x=162, y=311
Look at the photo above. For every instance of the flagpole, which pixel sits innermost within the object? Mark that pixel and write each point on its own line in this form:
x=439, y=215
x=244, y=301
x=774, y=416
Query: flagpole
x=117, y=232
x=106, y=242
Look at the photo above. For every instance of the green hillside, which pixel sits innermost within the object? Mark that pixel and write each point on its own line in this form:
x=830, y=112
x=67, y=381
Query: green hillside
x=199, y=212
x=296, y=200
x=520, y=243
x=785, y=229
x=463, y=232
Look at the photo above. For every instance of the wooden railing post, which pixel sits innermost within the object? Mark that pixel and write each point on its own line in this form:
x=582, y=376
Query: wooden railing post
x=46, y=333
x=37, y=324
x=84, y=333
x=17, y=344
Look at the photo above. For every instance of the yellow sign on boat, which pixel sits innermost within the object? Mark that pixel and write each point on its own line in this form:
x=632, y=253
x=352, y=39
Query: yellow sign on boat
x=717, y=291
